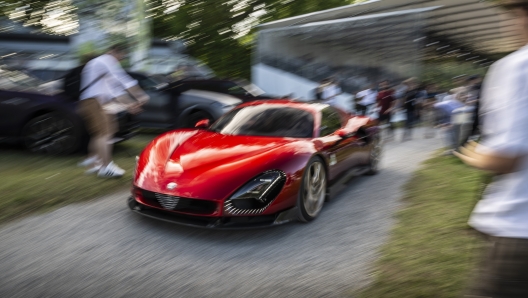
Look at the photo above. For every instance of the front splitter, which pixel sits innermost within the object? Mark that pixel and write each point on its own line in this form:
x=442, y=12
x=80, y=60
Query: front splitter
x=216, y=223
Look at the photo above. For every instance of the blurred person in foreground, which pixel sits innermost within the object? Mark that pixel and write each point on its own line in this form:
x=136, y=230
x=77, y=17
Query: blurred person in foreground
x=103, y=79
x=365, y=99
x=386, y=103
x=474, y=92
x=502, y=214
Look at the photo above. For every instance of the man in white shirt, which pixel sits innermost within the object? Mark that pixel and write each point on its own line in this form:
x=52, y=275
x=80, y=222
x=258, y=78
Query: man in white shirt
x=502, y=214
x=366, y=98
x=103, y=79
x=330, y=93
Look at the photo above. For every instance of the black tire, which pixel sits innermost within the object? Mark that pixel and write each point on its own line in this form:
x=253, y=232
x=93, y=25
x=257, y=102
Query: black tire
x=51, y=133
x=193, y=118
x=375, y=156
x=309, y=206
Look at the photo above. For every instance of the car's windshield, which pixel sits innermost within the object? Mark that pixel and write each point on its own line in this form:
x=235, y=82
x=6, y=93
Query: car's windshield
x=269, y=120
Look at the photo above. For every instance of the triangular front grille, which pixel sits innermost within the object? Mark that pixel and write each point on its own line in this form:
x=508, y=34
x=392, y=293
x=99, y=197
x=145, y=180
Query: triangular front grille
x=167, y=202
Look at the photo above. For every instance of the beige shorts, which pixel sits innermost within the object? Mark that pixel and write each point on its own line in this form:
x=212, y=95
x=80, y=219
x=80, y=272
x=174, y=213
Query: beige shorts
x=96, y=120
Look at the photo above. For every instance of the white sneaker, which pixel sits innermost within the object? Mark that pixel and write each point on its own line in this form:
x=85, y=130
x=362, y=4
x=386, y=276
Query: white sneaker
x=89, y=161
x=111, y=171
x=93, y=169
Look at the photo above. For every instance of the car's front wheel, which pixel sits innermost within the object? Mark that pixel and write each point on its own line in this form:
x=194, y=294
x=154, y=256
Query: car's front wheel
x=313, y=190
x=51, y=133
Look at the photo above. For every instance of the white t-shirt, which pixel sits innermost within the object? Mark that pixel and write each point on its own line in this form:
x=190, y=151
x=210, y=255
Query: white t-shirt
x=331, y=91
x=112, y=84
x=369, y=97
x=503, y=211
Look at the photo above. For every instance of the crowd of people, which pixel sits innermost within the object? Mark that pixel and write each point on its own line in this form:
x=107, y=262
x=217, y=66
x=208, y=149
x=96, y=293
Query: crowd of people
x=454, y=111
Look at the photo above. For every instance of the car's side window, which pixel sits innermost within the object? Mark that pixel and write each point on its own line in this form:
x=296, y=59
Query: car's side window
x=330, y=121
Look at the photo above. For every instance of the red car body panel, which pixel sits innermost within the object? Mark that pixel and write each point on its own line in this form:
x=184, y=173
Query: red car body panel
x=211, y=166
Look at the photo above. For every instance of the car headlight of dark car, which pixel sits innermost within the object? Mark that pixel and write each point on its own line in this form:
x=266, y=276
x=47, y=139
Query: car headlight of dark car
x=257, y=194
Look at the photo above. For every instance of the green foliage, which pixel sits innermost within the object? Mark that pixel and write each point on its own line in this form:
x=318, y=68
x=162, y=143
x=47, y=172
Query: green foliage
x=221, y=33
x=442, y=72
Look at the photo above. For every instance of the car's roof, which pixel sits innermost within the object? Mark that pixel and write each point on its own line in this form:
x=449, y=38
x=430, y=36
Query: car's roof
x=313, y=107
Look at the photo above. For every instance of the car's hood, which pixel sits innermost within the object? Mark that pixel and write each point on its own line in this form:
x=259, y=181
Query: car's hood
x=224, y=99
x=207, y=165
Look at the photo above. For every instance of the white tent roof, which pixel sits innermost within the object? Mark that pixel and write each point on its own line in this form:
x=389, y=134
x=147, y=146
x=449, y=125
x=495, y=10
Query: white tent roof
x=454, y=27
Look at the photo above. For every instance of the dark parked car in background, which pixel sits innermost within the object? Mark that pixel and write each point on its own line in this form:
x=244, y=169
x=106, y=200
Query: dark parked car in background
x=240, y=89
x=181, y=103
x=40, y=117
x=184, y=103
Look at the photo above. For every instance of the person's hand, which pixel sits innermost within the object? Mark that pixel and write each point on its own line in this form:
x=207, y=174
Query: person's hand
x=488, y=161
x=143, y=99
x=134, y=109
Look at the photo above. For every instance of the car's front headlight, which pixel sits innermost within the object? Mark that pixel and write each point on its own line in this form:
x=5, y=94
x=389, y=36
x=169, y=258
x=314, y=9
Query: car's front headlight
x=257, y=194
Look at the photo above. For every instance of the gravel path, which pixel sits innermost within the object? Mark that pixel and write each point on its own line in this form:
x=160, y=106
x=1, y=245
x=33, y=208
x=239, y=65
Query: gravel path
x=101, y=249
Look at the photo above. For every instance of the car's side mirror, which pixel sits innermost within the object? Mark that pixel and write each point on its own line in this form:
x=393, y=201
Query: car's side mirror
x=344, y=133
x=202, y=123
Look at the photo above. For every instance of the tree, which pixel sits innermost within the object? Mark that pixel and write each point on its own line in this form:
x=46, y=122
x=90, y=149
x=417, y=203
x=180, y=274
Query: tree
x=220, y=33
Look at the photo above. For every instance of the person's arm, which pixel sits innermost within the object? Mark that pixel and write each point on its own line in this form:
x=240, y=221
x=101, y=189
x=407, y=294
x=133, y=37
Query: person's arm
x=138, y=94
x=128, y=83
x=486, y=159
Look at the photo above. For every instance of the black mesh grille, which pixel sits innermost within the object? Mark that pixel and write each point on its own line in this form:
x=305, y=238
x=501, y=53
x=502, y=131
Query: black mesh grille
x=191, y=206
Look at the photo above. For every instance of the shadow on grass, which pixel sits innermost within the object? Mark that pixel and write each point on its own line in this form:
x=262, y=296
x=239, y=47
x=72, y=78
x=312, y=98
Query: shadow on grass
x=36, y=182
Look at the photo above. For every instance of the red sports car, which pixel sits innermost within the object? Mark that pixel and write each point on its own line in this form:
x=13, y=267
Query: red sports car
x=264, y=163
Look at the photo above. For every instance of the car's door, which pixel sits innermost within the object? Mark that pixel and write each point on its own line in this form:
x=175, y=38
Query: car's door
x=158, y=111
x=13, y=110
x=345, y=152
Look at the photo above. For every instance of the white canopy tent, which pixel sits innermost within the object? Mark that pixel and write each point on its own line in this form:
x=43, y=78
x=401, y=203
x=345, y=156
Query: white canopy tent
x=382, y=39
x=475, y=24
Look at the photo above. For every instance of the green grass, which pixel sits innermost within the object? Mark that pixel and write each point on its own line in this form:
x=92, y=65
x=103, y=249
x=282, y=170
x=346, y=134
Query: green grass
x=432, y=250
x=34, y=183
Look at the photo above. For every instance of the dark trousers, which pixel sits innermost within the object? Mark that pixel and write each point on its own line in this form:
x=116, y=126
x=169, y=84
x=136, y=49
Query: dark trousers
x=362, y=109
x=504, y=270
x=386, y=118
x=409, y=123
x=411, y=118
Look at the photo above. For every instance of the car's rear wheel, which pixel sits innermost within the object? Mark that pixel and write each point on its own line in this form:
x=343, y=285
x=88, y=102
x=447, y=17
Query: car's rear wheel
x=195, y=117
x=51, y=133
x=313, y=190
x=375, y=156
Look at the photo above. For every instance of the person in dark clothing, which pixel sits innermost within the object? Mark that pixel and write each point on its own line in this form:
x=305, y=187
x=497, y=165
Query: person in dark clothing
x=318, y=92
x=428, y=111
x=386, y=102
x=475, y=90
x=409, y=104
